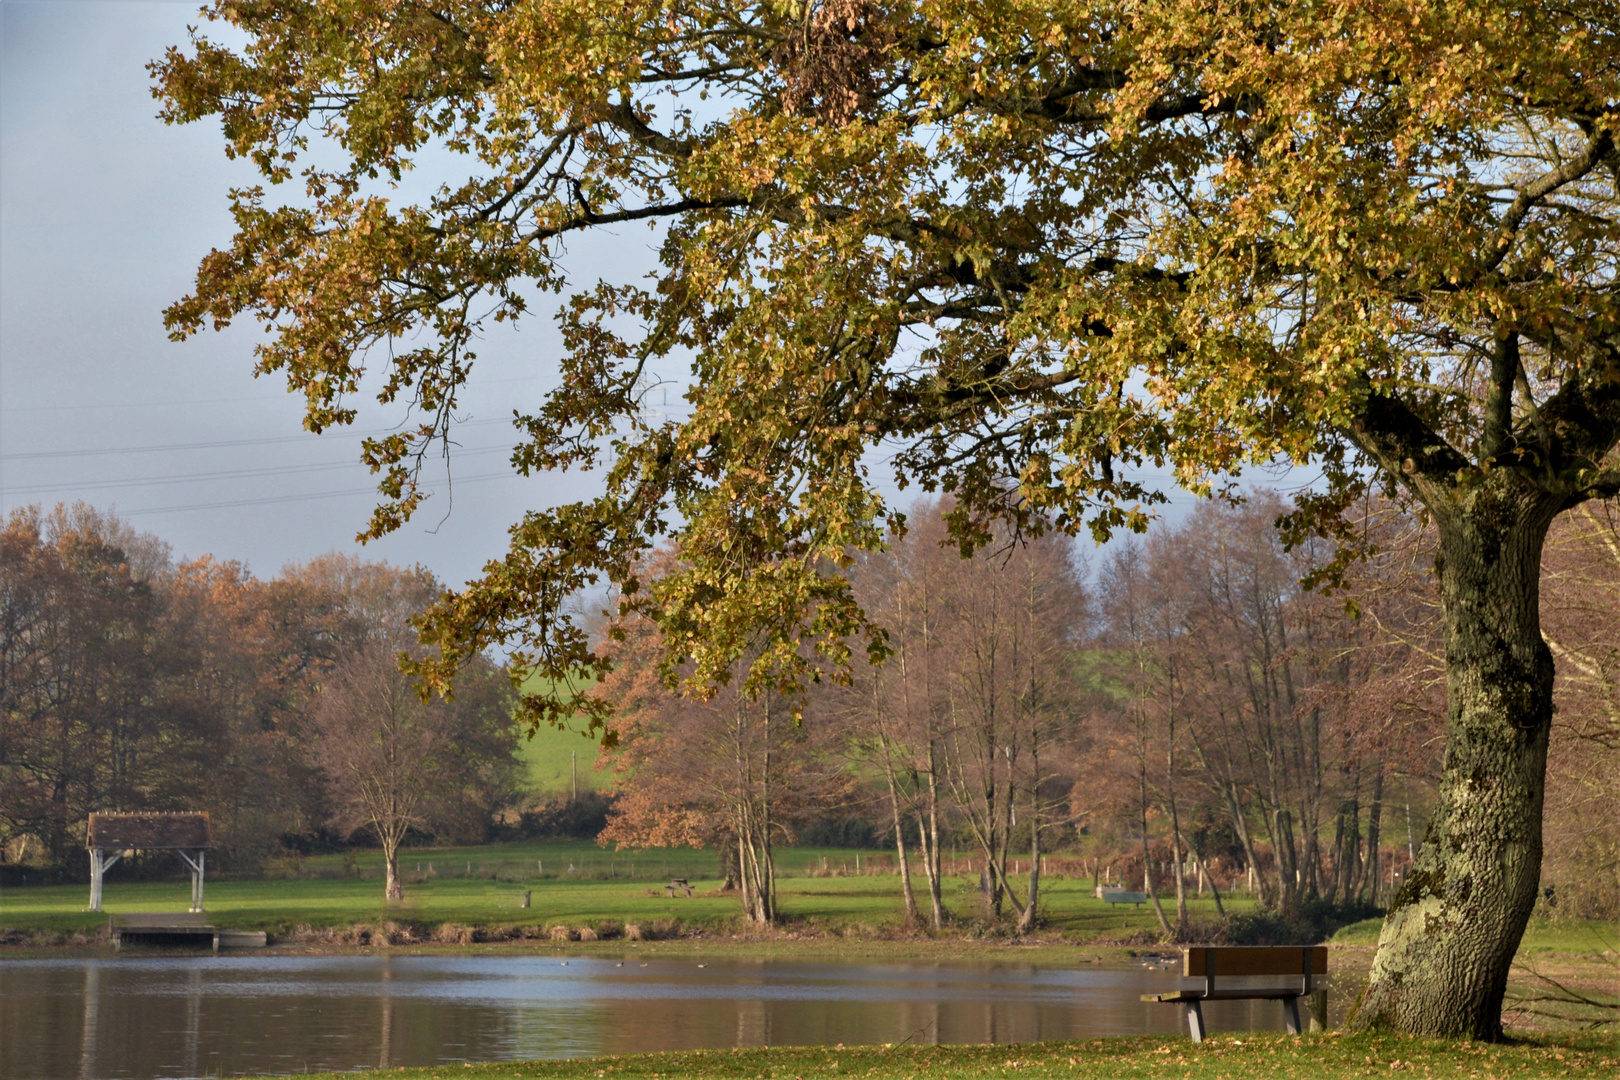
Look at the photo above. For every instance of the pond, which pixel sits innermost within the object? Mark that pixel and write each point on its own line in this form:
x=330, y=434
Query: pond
x=190, y=1016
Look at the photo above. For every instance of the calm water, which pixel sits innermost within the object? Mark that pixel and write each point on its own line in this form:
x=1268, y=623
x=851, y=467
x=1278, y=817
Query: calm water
x=193, y=1016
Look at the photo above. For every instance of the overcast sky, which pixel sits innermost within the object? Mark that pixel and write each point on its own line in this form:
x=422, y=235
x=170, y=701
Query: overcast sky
x=104, y=214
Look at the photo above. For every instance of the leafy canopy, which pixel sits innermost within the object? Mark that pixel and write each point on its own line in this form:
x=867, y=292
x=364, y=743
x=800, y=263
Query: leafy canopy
x=1025, y=249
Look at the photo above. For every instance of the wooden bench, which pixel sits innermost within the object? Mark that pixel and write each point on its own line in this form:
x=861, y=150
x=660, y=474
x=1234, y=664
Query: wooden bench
x=677, y=884
x=1303, y=962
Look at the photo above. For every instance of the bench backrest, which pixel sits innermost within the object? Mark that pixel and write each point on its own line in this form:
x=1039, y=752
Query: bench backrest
x=1210, y=961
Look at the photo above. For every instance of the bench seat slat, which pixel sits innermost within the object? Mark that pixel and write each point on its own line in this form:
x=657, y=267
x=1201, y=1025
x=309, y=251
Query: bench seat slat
x=1183, y=996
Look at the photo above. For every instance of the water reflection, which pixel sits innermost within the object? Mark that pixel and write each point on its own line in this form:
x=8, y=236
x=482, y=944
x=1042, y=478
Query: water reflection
x=140, y=1017
x=92, y=1005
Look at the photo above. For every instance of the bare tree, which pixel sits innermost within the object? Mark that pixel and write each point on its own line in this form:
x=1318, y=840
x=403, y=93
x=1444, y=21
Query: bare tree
x=898, y=711
x=1017, y=617
x=729, y=770
x=395, y=762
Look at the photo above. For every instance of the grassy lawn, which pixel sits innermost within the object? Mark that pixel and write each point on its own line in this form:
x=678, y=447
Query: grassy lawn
x=1543, y=935
x=1248, y=1057
x=556, y=756
x=577, y=883
x=601, y=886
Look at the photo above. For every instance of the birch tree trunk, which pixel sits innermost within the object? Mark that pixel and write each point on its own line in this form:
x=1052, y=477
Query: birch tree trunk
x=908, y=896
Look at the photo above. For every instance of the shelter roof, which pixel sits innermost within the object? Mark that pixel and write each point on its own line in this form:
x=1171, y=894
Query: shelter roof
x=152, y=832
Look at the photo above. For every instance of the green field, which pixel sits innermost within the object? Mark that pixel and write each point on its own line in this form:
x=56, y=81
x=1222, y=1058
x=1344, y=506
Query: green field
x=571, y=882
x=1326, y=1057
x=823, y=890
x=555, y=756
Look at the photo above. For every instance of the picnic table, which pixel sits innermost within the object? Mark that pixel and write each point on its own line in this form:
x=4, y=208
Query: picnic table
x=677, y=885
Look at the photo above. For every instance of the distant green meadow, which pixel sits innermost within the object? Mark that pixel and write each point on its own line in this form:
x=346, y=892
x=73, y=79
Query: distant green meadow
x=552, y=755
x=555, y=755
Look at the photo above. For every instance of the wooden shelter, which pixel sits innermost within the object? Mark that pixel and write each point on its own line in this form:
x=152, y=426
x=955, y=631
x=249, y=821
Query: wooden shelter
x=112, y=836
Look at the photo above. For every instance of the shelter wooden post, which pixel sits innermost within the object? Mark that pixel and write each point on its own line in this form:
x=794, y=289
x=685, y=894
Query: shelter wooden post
x=195, y=860
x=100, y=861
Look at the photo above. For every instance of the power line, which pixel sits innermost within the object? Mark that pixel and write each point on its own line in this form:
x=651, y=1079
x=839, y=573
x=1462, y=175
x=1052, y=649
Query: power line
x=220, y=443
x=162, y=402
x=231, y=474
x=305, y=497
x=137, y=404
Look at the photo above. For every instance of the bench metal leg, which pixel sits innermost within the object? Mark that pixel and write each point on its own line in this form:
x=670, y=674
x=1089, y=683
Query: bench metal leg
x=1195, y=1020
x=1291, y=1014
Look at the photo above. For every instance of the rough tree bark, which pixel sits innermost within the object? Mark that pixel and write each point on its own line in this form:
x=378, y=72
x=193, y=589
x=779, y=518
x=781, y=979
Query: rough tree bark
x=1455, y=924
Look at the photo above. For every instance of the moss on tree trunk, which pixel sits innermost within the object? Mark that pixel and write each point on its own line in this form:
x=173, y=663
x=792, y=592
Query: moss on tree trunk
x=1453, y=927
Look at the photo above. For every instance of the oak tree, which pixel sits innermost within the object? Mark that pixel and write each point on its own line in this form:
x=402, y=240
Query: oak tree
x=1047, y=243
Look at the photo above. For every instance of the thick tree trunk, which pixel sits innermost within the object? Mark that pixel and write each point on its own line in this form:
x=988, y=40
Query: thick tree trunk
x=1286, y=864
x=1452, y=929
x=730, y=878
x=1031, y=912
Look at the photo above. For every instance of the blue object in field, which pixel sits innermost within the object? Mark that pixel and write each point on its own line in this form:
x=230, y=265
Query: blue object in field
x=1120, y=896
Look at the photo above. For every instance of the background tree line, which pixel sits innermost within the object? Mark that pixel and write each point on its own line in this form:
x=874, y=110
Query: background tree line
x=1183, y=717
x=130, y=681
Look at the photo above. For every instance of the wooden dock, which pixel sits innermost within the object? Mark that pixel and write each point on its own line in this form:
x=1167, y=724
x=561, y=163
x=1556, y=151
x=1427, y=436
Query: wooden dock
x=180, y=928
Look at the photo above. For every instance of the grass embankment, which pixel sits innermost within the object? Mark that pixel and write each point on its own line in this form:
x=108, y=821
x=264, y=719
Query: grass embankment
x=1248, y=1056
x=1566, y=975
